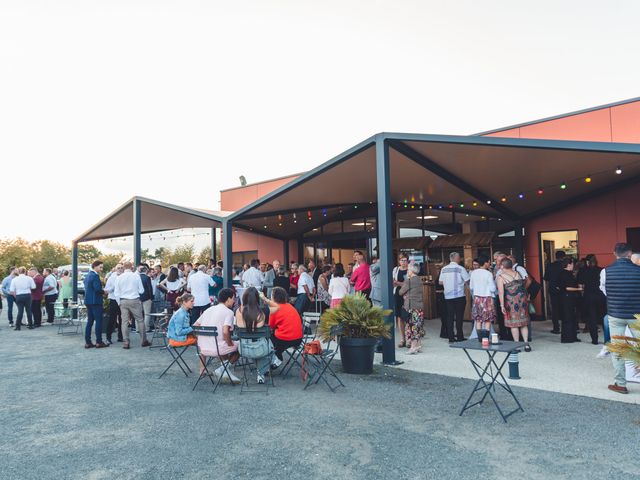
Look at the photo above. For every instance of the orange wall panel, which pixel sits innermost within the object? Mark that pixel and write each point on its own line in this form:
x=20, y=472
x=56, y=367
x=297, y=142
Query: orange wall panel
x=592, y=126
x=625, y=123
x=512, y=133
x=237, y=198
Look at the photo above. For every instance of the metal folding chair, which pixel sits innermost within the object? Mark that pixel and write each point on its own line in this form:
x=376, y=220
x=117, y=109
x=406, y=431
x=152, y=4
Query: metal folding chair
x=242, y=334
x=203, y=331
x=309, y=321
x=317, y=366
x=177, y=353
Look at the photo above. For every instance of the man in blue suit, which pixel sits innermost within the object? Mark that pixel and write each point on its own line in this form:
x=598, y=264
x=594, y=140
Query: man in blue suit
x=93, y=298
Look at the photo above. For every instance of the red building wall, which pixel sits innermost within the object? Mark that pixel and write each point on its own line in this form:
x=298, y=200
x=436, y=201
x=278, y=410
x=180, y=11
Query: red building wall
x=268, y=249
x=601, y=222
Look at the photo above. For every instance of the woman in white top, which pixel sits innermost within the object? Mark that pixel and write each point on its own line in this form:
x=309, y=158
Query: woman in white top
x=483, y=289
x=172, y=286
x=338, y=286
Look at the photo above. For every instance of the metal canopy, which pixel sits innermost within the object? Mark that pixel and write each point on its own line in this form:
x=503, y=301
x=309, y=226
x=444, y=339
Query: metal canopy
x=470, y=177
x=155, y=216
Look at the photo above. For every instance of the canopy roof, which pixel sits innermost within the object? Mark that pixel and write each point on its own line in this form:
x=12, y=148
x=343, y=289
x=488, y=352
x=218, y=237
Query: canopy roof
x=155, y=216
x=471, y=177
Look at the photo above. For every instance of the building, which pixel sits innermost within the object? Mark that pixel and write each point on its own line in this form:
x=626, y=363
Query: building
x=566, y=182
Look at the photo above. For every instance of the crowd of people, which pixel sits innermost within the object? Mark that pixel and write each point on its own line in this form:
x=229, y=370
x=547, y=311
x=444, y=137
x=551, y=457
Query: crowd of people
x=501, y=294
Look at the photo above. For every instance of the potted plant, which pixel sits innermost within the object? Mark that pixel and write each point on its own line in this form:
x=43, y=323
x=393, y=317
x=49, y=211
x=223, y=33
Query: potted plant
x=361, y=325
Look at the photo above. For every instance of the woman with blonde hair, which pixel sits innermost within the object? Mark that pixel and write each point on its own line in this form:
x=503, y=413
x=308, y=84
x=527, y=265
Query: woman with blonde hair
x=179, y=329
x=411, y=291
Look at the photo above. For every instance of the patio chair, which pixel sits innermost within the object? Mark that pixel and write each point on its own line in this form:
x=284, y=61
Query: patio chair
x=213, y=361
x=248, y=363
x=177, y=350
x=309, y=319
x=318, y=366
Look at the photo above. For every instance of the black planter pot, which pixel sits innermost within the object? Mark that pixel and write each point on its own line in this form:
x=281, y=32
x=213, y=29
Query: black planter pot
x=357, y=354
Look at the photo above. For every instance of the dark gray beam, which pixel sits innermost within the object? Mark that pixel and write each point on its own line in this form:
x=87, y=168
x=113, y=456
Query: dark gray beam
x=443, y=173
x=385, y=244
x=227, y=252
x=137, y=230
x=74, y=276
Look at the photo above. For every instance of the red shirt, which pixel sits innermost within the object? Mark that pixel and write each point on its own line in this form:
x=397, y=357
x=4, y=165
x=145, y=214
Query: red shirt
x=37, y=293
x=294, y=279
x=361, y=279
x=286, y=322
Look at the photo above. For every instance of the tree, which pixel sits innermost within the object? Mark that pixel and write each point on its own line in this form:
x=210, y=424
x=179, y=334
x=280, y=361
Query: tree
x=183, y=253
x=111, y=260
x=15, y=253
x=204, y=256
x=88, y=253
x=47, y=254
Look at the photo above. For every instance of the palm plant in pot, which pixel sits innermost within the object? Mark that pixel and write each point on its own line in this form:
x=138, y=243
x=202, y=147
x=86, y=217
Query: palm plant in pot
x=361, y=325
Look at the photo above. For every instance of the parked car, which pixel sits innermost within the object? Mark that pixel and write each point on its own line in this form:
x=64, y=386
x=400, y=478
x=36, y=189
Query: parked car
x=83, y=269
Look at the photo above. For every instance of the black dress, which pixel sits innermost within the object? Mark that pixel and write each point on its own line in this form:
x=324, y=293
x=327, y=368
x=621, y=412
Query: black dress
x=594, y=300
x=282, y=281
x=568, y=303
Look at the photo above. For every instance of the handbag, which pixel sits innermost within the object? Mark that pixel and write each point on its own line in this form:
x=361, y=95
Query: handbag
x=314, y=347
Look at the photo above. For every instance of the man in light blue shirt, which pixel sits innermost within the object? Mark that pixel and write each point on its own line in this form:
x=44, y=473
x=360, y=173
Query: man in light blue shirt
x=6, y=293
x=454, y=277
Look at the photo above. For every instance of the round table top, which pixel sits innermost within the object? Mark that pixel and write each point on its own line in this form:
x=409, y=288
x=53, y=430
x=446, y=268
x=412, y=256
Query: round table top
x=159, y=314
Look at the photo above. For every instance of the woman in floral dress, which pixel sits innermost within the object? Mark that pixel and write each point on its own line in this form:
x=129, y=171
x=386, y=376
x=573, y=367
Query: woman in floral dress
x=514, y=302
x=411, y=290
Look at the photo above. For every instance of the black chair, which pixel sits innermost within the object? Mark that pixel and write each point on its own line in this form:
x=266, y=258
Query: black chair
x=202, y=331
x=309, y=319
x=176, y=353
x=248, y=363
x=318, y=365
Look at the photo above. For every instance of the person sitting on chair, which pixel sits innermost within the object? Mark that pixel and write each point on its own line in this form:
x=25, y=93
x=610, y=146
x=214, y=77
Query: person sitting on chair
x=220, y=316
x=179, y=329
x=251, y=317
x=286, y=325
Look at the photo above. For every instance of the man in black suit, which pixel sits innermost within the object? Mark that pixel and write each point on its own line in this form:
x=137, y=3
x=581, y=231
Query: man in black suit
x=314, y=271
x=552, y=277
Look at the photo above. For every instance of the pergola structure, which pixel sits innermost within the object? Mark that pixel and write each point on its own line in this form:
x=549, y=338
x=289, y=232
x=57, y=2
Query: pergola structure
x=470, y=178
x=139, y=216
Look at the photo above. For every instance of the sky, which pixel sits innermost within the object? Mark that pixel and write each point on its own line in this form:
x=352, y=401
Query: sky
x=174, y=100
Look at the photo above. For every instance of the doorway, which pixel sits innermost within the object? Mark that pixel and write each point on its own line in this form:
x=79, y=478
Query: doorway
x=550, y=243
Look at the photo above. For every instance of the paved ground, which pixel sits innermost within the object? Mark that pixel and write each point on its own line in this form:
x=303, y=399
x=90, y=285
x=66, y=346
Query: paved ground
x=553, y=366
x=74, y=413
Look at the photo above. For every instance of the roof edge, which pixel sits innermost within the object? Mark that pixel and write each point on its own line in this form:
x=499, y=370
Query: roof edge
x=263, y=181
x=557, y=117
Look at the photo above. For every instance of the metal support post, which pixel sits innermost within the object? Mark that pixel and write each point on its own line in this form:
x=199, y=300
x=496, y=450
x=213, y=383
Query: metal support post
x=385, y=245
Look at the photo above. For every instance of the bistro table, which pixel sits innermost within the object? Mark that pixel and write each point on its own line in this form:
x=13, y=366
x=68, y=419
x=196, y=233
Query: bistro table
x=160, y=327
x=73, y=309
x=494, y=376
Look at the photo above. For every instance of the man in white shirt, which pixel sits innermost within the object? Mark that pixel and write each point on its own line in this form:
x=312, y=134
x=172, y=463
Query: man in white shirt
x=518, y=268
x=483, y=288
x=198, y=284
x=306, y=290
x=127, y=291
x=454, y=277
x=115, y=319
x=21, y=287
x=253, y=277
x=50, y=290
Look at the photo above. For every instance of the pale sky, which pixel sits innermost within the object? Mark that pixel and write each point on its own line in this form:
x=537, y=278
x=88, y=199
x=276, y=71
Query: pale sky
x=173, y=100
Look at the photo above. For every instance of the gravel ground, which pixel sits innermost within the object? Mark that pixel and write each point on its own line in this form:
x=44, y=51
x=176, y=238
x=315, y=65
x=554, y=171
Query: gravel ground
x=70, y=413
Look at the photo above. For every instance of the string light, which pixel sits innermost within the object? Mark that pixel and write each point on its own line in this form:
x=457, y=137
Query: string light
x=324, y=212
x=587, y=179
x=462, y=205
x=563, y=186
x=521, y=195
x=503, y=199
x=618, y=170
x=488, y=202
x=475, y=204
x=540, y=191
x=450, y=205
